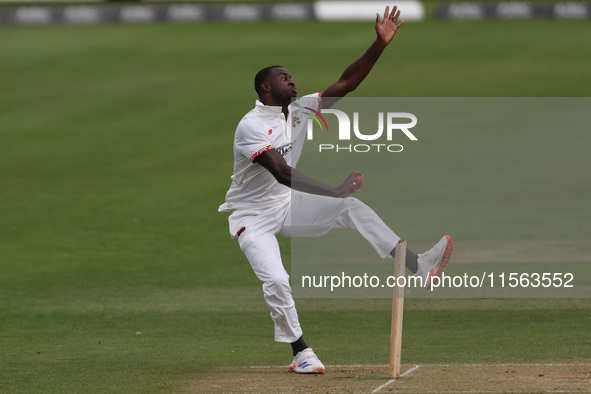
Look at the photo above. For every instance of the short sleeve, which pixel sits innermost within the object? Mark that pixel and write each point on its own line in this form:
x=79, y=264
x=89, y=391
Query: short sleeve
x=312, y=101
x=251, y=140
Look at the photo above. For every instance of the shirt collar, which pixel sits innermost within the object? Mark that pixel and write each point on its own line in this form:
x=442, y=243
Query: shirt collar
x=272, y=108
x=276, y=109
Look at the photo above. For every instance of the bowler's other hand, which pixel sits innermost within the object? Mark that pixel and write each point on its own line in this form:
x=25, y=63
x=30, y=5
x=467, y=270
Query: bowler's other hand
x=350, y=185
x=387, y=27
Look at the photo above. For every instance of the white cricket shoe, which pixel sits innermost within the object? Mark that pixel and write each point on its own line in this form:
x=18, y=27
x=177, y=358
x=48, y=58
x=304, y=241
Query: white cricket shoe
x=306, y=362
x=432, y=262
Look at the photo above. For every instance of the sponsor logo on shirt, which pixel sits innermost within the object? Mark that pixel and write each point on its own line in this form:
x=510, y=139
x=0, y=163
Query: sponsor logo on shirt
x=283, y=150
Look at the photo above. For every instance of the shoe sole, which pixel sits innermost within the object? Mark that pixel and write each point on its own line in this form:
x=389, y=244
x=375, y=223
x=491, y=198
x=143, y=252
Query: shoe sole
x=318, y=370
x=449, y=248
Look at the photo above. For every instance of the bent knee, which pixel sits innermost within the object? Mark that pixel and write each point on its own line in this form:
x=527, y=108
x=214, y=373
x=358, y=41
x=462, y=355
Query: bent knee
x=277, y=291
x=352, y=203
x=277, y=281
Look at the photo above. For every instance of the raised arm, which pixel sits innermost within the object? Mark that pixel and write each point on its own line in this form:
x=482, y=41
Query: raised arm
x=290, y=177
x=358, y=70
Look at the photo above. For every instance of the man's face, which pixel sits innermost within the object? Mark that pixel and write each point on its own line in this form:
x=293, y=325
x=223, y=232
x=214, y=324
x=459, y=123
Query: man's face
x=282, y=88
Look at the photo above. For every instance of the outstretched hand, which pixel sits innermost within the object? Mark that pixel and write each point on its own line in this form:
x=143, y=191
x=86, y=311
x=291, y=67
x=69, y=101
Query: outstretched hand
x=387, y=27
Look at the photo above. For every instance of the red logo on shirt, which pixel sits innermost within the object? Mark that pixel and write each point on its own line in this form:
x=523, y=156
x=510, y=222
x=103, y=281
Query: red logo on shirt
x=270, y=131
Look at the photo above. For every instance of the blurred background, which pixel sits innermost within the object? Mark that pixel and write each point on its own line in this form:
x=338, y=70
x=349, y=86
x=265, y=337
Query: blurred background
x=97, y=11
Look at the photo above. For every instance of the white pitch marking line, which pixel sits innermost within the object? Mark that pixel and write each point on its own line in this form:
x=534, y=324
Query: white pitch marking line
x=393, y=380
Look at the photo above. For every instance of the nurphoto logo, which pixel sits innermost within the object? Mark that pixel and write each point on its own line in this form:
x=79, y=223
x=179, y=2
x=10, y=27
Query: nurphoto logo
x=395, y=123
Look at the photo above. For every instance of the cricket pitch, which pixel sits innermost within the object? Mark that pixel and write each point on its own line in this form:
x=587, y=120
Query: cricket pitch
x=440, y=378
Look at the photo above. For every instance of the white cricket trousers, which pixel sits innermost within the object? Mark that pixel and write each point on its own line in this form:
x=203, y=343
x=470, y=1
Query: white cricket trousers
x=306, y=215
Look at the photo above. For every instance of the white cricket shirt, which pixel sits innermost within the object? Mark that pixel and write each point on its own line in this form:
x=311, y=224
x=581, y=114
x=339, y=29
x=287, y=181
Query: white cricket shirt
x=262, y=129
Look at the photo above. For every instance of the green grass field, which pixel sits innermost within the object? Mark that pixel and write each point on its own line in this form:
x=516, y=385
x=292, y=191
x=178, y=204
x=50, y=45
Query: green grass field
x=116, y=272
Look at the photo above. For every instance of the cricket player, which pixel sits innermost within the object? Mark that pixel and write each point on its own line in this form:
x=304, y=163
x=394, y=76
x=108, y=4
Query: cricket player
x=267, y=188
